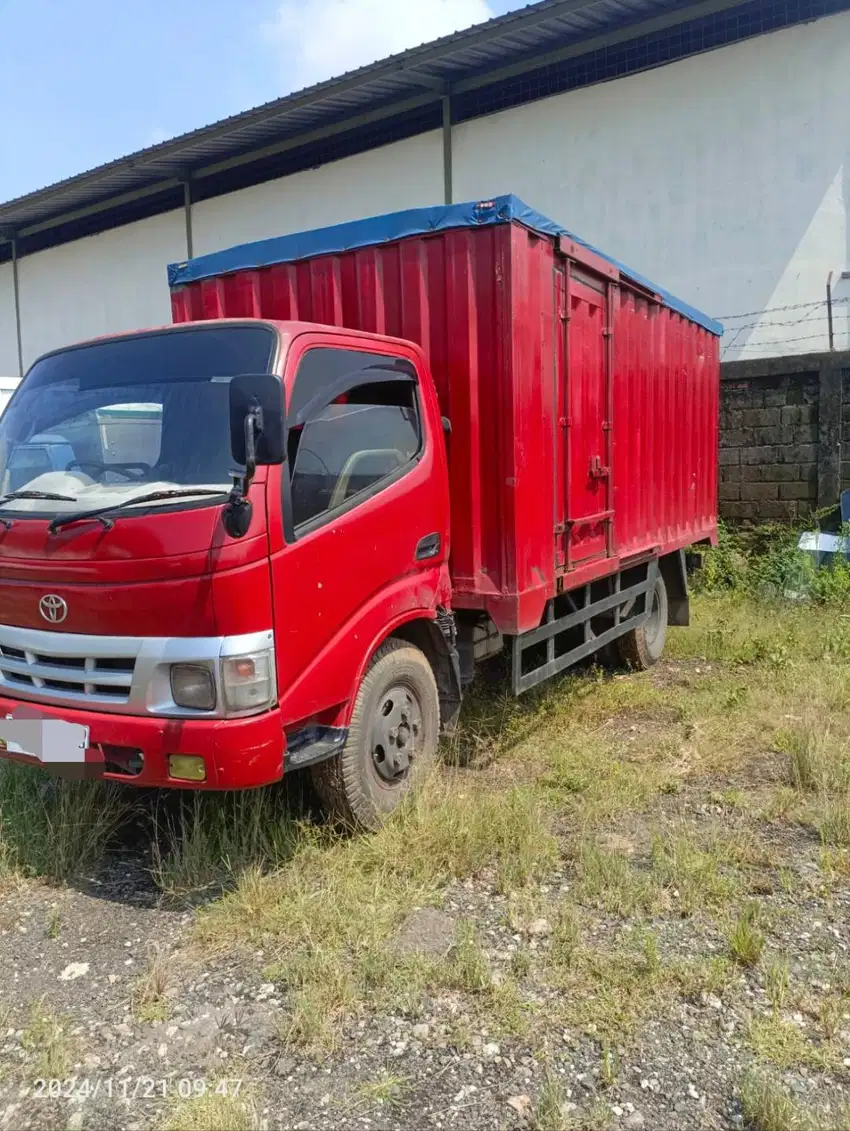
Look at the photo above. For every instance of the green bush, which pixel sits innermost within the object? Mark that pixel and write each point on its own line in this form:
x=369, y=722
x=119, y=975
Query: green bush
x=765, y=563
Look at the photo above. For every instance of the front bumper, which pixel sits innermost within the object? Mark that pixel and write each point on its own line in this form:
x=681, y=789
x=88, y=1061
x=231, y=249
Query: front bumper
x=238, y=753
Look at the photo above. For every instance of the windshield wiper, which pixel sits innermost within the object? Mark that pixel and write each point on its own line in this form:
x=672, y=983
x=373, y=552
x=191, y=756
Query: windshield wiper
x=38, y=495
x=99, y=513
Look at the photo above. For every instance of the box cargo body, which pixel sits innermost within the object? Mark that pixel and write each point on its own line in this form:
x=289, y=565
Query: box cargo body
x=583, y=400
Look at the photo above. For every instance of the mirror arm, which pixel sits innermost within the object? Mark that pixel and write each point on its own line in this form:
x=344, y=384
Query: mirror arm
x=238, y=510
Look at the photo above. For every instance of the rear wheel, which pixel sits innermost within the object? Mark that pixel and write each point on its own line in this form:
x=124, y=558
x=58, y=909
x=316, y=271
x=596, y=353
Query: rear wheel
x=643, y=646
x=392, y=739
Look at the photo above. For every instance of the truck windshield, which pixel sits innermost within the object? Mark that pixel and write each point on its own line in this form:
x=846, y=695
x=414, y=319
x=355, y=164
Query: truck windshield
x=98, y=424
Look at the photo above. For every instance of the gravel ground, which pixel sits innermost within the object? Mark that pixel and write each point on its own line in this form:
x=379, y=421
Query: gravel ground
x=73, y=959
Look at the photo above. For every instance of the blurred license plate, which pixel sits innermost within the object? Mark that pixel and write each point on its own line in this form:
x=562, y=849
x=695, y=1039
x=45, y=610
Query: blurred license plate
x=51, y=741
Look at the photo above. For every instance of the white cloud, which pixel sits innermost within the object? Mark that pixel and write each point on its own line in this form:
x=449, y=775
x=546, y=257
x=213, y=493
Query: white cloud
x=323, y=38
x=156, y=135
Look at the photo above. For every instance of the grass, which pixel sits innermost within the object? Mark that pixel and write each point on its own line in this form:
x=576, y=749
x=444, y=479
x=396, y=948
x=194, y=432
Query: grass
x=328, y=918
x=694, y=874
x=607, y=880
x=549, y=1110
x=745, y=939
x=52, y=828
x=212, y=1112
x=819, y=773
x=777, y=977
x=46, y=1036
x=766, y=1105
x=213, y=838
x=149, y=997
x=388, y=1090
x=784, y=1044
x=564, y=766
x=606, y=993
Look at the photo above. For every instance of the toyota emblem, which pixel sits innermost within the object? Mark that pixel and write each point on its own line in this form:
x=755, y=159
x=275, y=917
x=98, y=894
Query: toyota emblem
x=53, y=608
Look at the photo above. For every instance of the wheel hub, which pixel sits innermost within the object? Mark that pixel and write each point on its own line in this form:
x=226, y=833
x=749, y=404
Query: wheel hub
x=395, y=733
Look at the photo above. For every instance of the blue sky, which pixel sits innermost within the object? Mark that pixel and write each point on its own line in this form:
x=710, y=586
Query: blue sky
x=85, y=81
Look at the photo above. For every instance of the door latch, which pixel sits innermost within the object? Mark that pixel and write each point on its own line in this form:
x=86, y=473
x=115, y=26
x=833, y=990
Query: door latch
x=597, y=469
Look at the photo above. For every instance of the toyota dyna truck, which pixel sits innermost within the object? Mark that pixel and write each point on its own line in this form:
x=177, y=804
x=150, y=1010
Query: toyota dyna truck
x=285, y=529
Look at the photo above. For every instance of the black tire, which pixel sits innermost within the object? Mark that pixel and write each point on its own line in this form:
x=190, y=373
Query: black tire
x=376, y=768
x=643, y=647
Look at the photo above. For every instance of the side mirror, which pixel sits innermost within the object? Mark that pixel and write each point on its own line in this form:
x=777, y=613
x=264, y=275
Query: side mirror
x=261, y=396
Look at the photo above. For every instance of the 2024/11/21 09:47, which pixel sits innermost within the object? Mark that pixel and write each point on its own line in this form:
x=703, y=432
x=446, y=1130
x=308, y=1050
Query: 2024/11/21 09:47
x=133, y=1087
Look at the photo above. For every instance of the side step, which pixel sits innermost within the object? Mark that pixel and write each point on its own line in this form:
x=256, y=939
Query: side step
x=591, y=619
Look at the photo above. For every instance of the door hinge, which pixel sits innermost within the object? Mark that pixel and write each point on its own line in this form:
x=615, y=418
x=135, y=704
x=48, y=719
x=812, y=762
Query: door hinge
x=564, y=421
x=560, y=528
x=607, y=332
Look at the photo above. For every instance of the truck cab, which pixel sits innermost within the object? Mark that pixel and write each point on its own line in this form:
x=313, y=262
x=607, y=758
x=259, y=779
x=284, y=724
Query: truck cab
x=238, y=524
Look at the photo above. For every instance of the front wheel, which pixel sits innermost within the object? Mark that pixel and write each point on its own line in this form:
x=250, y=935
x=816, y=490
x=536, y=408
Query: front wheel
x=392, y=739
x=643, y=646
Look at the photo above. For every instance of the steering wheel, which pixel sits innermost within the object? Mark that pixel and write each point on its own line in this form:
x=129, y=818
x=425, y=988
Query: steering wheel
x=128, y=470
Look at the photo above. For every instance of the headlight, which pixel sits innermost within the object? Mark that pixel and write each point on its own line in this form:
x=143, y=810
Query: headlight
x=248, y=681
x=192, y=685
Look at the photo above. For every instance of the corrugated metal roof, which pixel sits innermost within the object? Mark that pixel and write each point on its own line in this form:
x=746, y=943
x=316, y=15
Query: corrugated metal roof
x=463, y=55
x=463, y=62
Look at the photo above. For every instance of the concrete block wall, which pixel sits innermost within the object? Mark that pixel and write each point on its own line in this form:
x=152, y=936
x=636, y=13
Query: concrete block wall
x=784, y=436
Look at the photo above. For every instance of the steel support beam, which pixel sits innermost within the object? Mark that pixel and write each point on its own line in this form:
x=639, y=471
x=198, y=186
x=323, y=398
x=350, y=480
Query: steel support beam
x=187, y=212
x=447, y=149
x=17, y=293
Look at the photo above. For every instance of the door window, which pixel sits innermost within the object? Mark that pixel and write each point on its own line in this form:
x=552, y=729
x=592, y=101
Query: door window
x=354, y=428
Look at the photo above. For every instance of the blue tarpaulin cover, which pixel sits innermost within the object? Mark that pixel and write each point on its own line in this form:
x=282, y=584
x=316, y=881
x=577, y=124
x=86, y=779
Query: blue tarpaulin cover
x=396, y=226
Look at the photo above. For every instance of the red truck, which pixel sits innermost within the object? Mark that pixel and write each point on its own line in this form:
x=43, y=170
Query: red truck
x=284, y=530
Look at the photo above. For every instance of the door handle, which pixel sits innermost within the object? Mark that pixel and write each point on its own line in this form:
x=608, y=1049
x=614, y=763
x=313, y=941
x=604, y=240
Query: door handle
x=428, y=547
x=597, y=469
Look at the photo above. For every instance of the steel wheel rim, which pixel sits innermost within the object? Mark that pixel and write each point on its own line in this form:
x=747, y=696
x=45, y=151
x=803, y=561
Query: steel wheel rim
x=395, y=734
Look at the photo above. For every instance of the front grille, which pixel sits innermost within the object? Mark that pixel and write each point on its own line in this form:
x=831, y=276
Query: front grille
x=77, y=677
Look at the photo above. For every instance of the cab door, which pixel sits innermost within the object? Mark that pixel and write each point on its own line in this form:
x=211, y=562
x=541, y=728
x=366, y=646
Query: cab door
x=361, y=540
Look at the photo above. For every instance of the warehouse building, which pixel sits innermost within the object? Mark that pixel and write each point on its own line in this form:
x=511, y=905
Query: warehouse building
x=705, y=144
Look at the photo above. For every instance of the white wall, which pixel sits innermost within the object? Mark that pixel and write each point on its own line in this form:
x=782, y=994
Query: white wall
x=99, y=285
x=8, y=335
x=406, y=174
x=725, y=177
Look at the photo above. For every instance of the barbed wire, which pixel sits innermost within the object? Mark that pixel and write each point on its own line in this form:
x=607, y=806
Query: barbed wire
x=779, y=341
x=811, y=316
x=777, y=309
x=788, y=322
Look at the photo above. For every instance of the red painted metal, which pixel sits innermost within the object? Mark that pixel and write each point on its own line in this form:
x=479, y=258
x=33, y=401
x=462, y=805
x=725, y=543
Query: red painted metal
x=583, y=411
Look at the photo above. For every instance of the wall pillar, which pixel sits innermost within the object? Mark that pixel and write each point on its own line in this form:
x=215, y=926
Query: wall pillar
x=829, y=431
x=17, y=293
x=187, y=211
x=447, y=148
